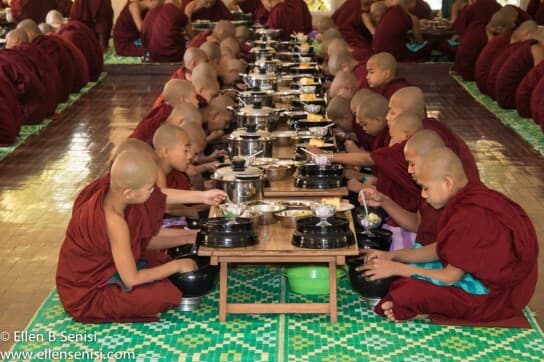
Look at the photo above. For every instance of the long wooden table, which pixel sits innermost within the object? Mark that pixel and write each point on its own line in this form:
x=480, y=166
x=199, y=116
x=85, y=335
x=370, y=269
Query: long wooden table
x=275, y=247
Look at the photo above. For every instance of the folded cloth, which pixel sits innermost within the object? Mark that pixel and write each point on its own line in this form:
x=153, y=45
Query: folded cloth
x=468, y=283
x=453, y=43
x=401, y=238
x=138, y=42
x=414, y=47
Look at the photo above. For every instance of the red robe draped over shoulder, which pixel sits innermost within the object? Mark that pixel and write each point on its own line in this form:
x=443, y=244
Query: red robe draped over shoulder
x=472, y=42
x=348, y=19
x=483, y=233
x=86, y=262
x=11, y=115
x=125, y=33
x=392, y=34
x=31, y=9
x=390, y=88
x=518, y=64
x=292, y=16
x=199, y=39
x=360, y=73
x=78, y=34
x=496, y=67
x=479, y=12
x=526, y=88
x=537, y=103
x=486, y=58
x=145, y=130
x=216, y=12
x=96, y=14
x=178, y=180
x=162, y=33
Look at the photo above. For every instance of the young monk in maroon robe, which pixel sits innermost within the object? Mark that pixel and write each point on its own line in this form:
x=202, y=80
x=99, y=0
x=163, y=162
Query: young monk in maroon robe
x=472, y=42
x=392, y=32
x=162, y=32
x=481, y=232
x=11, y=115
x=521, y=35
x=365, y=141
x=110, y=268
x=31, y=9
x=479, y=12
x=191, y=58
x=537, y=103
x=382, y=75
x=345, y=62
x=128, y=25
x=212, y=10
x=175, y=92
x=291, y=16
x=351, y=26
x=97, y=15
x=518, y=64
x=526, y=88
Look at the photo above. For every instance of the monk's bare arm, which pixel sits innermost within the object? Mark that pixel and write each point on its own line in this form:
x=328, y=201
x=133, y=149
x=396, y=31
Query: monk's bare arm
x=405, y=219
x=537, y=51
x=365, y=17
x=424, y=254
x=416, y=30
x=169, y=238
x=210, y=197
x=136, y=15
x=118, y=234
x=353, y=158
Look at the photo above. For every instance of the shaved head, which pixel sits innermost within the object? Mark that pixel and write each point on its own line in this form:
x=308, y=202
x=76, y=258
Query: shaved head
x=204, y=69
x=183, y=113
x=325, y=23
x=407, y=100
x=423, y=141
x=344, y=84
x=330, y=34
x=197, y=135
x=55, y=19
x=175, y=90
x=525, y=31
x=442, y=162
x=409, y=123
x=358, y=98
x=502, y=21
x=212, y=50
x=169, y=137
x=220, y=104
x=232, y=44
x=374, y=106
x=376, y=10
x=337, y=45
x=338, y=107
x=194, y=56
x=242, y=34
x=133, y=170
x=224, y=29
x=205, y=82
x=384, y=61
x=339, y=61
x=46, y=28
x=15, y=38
x=31, y=29
x=132, y=145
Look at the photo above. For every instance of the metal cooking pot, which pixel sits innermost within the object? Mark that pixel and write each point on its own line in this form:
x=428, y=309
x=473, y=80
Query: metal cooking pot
x=252, y=97
x=268, y=34
x=258, y=117
x=249, y=143
x=269, y=65
x=260, y=80
x=239, y=182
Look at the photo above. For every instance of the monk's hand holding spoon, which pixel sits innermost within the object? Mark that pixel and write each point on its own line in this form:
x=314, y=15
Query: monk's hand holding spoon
x=373, y=197
x=213, y=197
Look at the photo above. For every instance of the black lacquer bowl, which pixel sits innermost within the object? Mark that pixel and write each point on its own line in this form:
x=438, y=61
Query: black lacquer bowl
x=309, y=235
x=198, y=282
x=219, y=232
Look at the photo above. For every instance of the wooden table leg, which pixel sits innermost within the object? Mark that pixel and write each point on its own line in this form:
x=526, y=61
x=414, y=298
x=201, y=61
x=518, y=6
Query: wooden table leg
x=332, y=292
x=223, y=271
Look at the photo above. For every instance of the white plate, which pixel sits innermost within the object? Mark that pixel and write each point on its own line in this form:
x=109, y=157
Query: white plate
x=344, y=206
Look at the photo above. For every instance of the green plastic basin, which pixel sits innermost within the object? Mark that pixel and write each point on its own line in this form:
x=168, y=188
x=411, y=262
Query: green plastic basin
x=311, y=279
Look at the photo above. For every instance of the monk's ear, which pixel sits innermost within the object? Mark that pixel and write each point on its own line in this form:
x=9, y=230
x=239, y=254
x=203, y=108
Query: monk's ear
x=127, y=194
x=448, y=182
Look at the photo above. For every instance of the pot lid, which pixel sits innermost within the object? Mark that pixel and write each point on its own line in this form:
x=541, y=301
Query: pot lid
x=260, y=76
x=237, y=171
x=256, y=110
x=248, y=133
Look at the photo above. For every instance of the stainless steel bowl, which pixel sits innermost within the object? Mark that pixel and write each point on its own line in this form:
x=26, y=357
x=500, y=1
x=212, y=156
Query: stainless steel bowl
x=276, y=173
x=267, y=208
x=289, y=218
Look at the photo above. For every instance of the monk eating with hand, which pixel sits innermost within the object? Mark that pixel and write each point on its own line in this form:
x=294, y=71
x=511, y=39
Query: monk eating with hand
x=486, y=253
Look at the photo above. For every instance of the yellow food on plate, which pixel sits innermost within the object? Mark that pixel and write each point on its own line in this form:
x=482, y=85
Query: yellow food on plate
x=333, y=201
x=304, y=45
x=312, y=117
x=305, y=65
x=316, y=142
x=308, y=97
x=301, y=213
x=304, y=81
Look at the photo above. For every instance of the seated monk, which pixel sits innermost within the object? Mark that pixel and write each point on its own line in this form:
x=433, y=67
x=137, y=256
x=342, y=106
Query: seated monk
x=537, y=103
x=344, y=61
x=45, y=69
x=382, y=75
x=97, y=15
x=243, y=35
x=471, y=44
x=514, y=69
x=229, y=72
x=223, y=29
x=486, y=274
x=365, y=141
x=212, y=10
x=126, y=32
x=216, y=117
x=175, y=92
x=422, y=10
x=205, y=81
x=184, y=112
x=371, y=20
x=232, y=44
x=46, y=29
x=83, y=38
x=392, y=32
x=31, y=9
x=477, y=12
x=11, y=114
x=498, y=34
x=192, y=178
x=121, y=212
x=524, y=33
x=253, y=7
x=525, y=90
x=354, y=29
x=344, y=84
x=535, y=9
x=213, y=51
x=291, y=16
x=191, y=58
x=339, y=112
x=162, y=32
x=518, y=15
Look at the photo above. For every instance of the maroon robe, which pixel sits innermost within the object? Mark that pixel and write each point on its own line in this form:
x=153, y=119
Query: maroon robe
x=178, y=180
x=96, y=14
x=145, y=130
x=523, y=16
x=260, y=16
x=255, y=8
x=79, y=35
x=215, y=13
x=125, y=33
x=162, y=33
x=23, y=74
x=292, y=16
x=486, y=58
x=65, y=7
x=537, y=103
x=472, y=42
x=526, y=88
x=496, y=67
x=536, y=10
x=31, y=9
x=365, y=140
x=81, y=68
x=483, y=233
x=518, y=64
x=479, y=12
x=422, y=10
x=199, y=39
x=348, y=19
x=86, y=263
x=390, y=88
x=392, y=35
x=360, y=73
x=11, y=115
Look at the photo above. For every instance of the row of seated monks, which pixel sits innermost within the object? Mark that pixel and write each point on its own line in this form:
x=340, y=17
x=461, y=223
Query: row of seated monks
x=39, y=69
x=501, y=49
x=482, y=246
